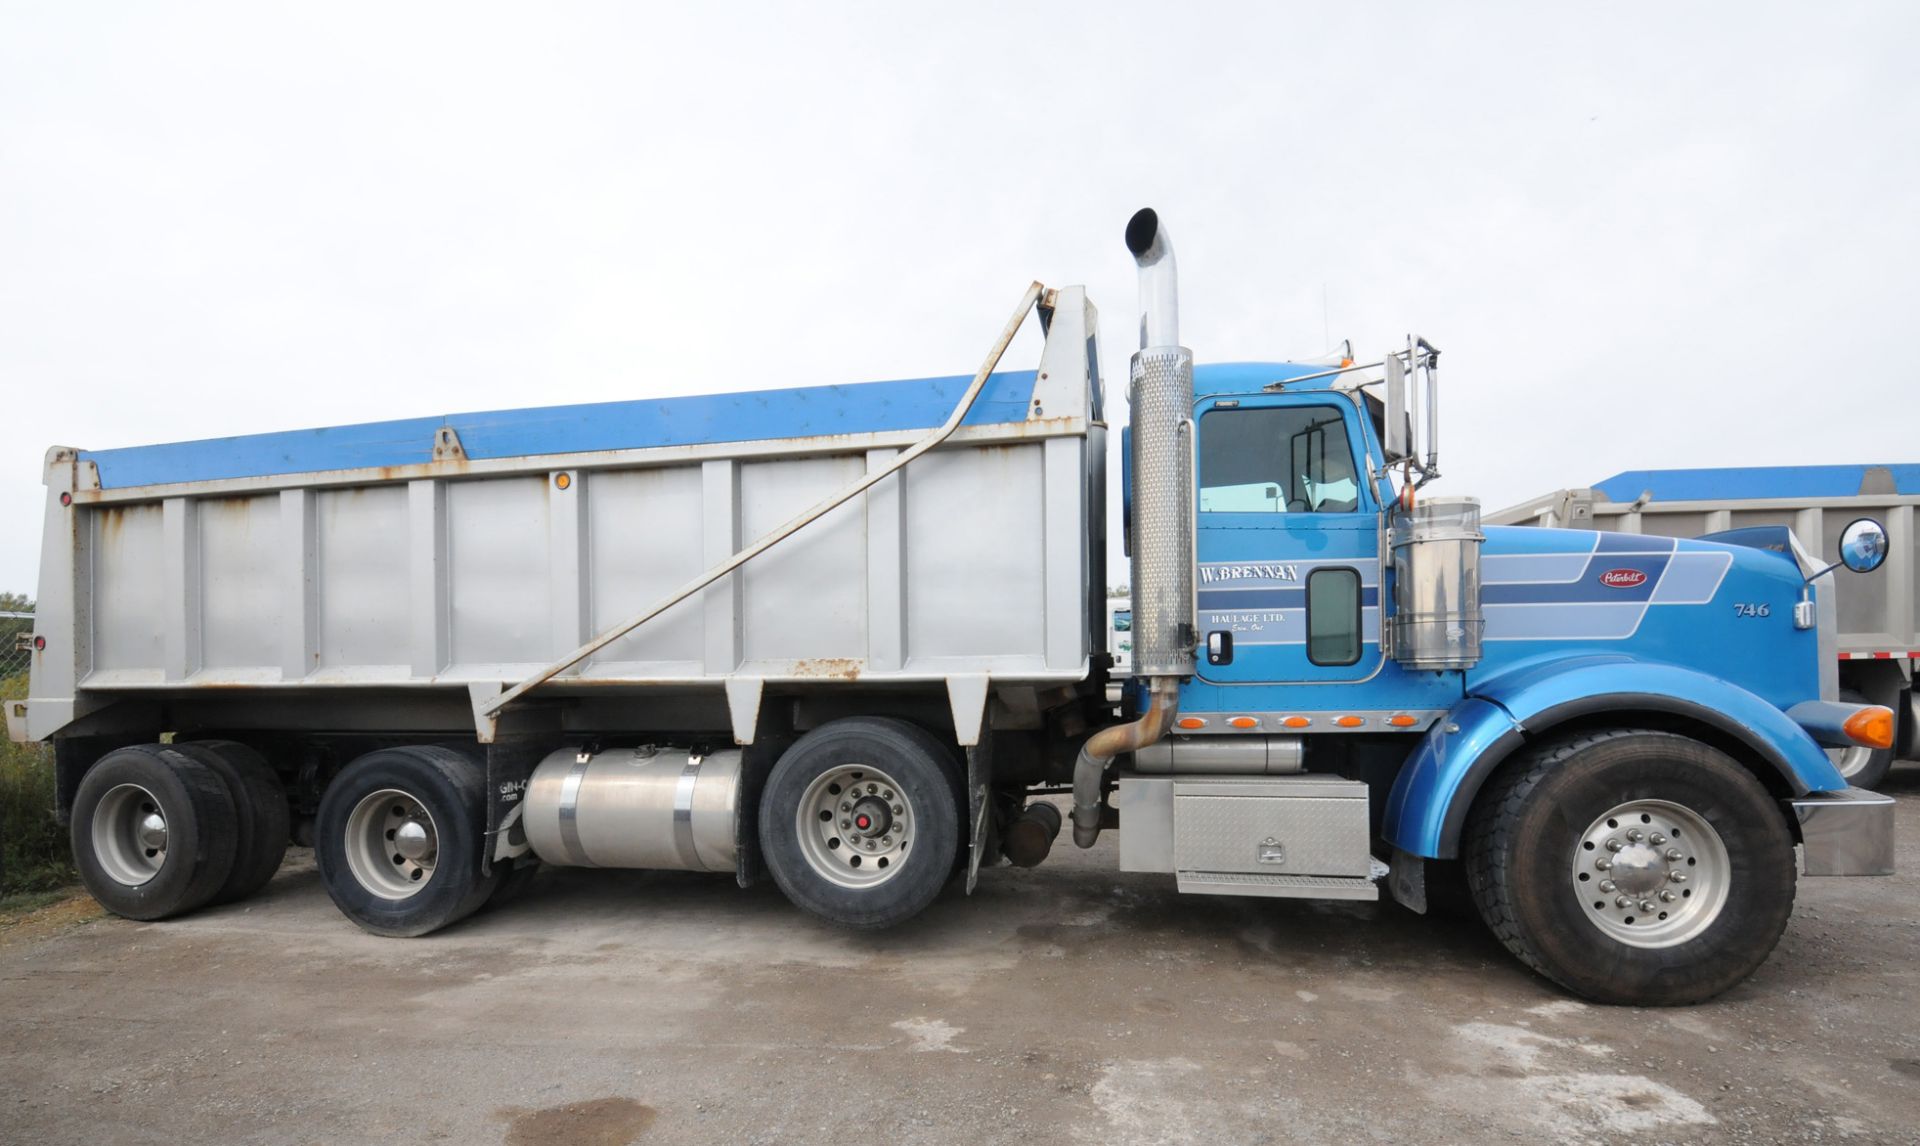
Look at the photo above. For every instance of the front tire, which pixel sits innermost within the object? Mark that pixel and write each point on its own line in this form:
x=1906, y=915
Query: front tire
x=860, y=823
x=399, y=840
x=1632, y=866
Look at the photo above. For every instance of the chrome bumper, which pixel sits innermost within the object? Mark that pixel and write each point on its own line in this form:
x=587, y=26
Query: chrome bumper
x=1846, y=833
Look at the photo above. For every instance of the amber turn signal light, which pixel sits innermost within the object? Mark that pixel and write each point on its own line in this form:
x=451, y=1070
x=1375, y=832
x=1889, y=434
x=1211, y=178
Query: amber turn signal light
x=1871, y=726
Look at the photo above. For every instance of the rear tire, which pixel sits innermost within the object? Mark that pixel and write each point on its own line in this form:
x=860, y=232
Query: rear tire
x=153, y=832
x=260, y=814
x=1692, y=901
x=879, y=857
x=399, y=838
x=1862, y=766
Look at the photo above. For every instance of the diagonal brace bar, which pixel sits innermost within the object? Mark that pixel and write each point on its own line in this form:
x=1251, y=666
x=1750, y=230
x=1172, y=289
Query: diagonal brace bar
x=792, y=527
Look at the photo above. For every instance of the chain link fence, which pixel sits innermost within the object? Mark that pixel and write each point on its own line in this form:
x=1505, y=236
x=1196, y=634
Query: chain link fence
x=33, y=847
x=16, y=653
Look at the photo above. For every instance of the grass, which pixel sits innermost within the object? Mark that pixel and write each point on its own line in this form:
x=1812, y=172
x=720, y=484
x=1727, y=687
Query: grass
x=34, y=861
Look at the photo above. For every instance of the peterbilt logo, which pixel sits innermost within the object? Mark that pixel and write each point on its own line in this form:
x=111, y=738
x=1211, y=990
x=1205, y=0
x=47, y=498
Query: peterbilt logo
x=1623, y=578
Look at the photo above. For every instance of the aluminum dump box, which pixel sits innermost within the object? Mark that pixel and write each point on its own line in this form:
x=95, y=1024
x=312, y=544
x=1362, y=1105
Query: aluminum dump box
x=471, y=550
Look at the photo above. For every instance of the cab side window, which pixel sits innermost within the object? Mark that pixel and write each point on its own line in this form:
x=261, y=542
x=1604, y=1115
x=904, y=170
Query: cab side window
x=1285, y=459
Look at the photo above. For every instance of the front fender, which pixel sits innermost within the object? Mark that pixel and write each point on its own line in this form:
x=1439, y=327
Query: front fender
x=1427, y=808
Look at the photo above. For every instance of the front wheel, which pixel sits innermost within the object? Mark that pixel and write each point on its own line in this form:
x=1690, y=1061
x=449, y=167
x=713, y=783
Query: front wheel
x=1632, y=866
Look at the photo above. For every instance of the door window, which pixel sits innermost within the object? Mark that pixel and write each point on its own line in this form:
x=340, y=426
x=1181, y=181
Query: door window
x=1333, y=616
x=1277, y=459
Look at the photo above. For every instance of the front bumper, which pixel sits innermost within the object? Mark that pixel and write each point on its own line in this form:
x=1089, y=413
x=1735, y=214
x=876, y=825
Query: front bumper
x=1849, y=832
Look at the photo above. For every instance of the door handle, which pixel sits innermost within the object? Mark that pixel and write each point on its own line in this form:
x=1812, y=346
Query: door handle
x=1219, y=647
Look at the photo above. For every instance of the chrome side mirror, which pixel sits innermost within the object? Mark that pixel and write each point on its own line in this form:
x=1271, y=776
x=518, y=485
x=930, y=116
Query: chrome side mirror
x=1863, y=545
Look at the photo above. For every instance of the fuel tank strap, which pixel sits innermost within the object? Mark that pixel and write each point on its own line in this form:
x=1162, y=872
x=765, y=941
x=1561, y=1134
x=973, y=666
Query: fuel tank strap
x=683, y=814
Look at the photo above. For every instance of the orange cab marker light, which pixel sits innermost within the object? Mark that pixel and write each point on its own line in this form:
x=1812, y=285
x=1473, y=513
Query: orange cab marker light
x=1244, y=721
x=1191, y=722
x=1349, y=721
x=1871, y=726
x=1402, y=720
x=1296, y=722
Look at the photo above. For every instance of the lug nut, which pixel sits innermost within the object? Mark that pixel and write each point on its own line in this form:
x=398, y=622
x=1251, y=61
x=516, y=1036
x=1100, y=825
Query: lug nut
x=1623, y=901
x=897, y=809
x=1667, y=897
x=1646, y=905
x=1677, y=876
x=1608, y=887
x=1635, y=834
x=1656, y=839
x=845, y=824
x=1603, y=863
x=1673, y=855
x=1614, y=845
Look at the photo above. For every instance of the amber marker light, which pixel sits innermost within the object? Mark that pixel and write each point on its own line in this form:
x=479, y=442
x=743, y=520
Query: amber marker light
x=562, y=481
x=1244, y=721
x=1871, y=726
x=1191, y=722
x=1296, y=722
x=1402, y=720
x=1349, y=721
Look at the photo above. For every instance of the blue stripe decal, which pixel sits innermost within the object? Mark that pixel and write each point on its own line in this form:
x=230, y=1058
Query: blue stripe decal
x=868, y=407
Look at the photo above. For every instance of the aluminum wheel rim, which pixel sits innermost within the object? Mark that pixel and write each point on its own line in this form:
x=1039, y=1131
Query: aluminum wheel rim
x=1651, y=873
x=130, y=834
x=855, y=825
x=392, y=844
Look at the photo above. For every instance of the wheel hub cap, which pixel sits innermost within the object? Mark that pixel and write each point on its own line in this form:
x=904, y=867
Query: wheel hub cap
x=153, y=830
x=855, y=825
x=1651, y=873
x=412, y=839
x=1638, y=870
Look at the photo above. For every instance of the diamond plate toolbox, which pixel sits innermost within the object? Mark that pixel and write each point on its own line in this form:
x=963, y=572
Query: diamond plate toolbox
x=1302, y=826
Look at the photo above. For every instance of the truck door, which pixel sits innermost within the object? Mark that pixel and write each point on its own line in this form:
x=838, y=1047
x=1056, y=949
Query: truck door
x=1289, y=542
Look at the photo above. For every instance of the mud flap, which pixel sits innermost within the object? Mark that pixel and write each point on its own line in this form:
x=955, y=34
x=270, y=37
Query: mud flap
x=979, y=810
x=771, y=739
x=510, y=761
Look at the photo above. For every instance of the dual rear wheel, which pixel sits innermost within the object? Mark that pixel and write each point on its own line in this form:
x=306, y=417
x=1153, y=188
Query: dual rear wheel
x=159, y=830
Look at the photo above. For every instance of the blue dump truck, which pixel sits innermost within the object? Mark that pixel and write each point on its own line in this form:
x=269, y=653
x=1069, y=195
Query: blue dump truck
x=854, y=639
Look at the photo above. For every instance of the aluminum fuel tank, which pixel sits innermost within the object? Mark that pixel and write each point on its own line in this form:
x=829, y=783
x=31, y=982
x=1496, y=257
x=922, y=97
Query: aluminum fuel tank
x=645, y=807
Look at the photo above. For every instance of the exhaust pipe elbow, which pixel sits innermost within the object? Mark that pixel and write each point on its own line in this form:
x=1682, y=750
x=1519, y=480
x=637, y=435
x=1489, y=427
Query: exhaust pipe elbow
x=1100, y=749
x=1152, y=250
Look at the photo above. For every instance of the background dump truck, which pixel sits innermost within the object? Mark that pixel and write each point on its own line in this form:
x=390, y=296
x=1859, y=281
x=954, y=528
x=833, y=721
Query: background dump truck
x=1877, y=639
x=843, y=636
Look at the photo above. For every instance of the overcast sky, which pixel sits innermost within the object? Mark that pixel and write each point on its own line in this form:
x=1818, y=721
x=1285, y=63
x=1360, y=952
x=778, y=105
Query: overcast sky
x=1645, y=235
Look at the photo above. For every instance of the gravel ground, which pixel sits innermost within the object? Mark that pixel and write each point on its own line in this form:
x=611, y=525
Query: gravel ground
x=1068, y=1003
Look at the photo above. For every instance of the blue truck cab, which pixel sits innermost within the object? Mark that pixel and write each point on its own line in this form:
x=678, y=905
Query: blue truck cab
x=1611, y=743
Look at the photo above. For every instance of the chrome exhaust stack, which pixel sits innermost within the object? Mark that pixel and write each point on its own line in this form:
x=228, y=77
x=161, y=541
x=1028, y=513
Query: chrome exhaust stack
x=1161, y=397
